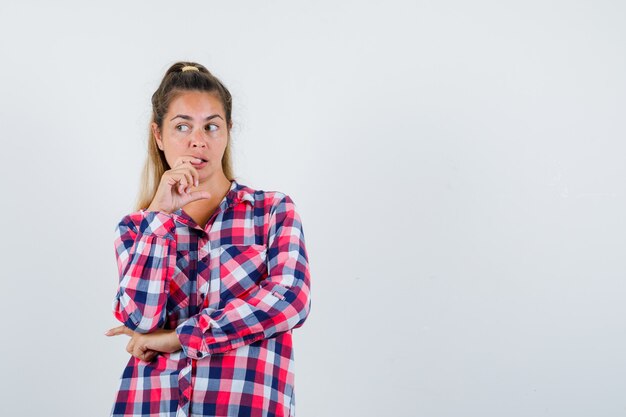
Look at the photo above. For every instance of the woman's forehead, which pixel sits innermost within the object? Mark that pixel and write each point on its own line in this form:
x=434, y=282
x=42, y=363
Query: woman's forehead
x=196, y=103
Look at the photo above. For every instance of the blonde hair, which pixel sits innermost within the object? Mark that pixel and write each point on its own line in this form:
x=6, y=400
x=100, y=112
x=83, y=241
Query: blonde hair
x=177, y=79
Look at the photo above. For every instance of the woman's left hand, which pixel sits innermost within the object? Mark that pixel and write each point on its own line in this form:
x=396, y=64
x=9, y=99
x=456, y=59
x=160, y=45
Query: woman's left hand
x=146, y=346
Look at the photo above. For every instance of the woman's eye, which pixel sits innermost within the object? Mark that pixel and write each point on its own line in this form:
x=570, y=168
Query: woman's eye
x=211, y=128
x=182, y=128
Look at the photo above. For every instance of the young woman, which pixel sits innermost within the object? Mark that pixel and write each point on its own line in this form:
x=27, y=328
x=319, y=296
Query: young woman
x=213, y=275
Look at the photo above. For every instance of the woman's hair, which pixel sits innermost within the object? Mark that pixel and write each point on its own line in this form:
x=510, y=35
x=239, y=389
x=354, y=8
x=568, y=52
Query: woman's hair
x=175, y=82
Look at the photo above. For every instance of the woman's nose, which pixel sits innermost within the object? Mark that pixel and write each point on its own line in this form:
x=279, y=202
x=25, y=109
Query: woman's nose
x=197, y=140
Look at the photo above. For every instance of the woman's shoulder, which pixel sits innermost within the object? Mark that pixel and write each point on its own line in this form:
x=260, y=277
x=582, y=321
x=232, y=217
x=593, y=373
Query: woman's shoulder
x=144, y=221
x=268, y=204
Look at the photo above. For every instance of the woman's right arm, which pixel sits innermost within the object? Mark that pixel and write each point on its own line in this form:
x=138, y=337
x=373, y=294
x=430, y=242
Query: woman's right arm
x=145, y=248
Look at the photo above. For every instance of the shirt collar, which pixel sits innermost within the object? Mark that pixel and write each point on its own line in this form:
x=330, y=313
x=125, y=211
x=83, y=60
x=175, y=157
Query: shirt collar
x=236, y=194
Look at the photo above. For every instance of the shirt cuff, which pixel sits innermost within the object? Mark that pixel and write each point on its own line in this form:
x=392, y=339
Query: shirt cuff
x=194, y=332
x=191, y=339
x=158, y=224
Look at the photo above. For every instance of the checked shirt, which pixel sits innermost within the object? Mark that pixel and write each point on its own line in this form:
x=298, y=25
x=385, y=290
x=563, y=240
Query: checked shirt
x=233, y=291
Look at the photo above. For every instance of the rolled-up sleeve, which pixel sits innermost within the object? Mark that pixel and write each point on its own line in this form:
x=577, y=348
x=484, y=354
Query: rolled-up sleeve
x=145, y=248
x=279, y=303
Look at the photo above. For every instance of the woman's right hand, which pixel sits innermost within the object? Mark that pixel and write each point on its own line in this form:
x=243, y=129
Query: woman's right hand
x=174, y=189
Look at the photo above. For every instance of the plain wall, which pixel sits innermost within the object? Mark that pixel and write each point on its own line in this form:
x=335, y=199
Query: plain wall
x=458, y=168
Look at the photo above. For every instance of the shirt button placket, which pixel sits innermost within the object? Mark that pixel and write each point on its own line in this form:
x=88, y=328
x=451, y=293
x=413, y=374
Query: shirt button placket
x=184, y=391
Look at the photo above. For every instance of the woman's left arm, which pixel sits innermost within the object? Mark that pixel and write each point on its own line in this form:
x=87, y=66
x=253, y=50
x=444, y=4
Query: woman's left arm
x=278, y=304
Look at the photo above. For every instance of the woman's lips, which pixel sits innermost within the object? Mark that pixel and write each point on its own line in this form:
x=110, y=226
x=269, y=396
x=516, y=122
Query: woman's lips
x=198, y=164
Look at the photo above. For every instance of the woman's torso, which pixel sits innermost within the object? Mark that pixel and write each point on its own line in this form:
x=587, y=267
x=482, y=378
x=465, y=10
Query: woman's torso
x=253, y=380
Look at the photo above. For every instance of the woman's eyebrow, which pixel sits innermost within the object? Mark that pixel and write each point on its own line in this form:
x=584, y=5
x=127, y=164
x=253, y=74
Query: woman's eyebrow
x=184, y=116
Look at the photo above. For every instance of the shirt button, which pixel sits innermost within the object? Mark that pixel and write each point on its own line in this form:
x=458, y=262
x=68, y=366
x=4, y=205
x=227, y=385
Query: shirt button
x=200, y=354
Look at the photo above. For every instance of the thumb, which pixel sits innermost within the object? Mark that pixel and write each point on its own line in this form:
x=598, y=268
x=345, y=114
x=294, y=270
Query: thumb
x=198, y=195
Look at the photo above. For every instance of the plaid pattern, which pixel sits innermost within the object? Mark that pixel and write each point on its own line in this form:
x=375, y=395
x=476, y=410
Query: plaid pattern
x=233, y=291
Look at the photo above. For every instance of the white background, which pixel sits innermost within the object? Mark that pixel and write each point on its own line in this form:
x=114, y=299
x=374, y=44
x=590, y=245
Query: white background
x=458, y=168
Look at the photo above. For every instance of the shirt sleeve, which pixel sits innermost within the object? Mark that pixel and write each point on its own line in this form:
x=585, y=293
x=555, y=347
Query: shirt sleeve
x=278, y=304
x=145, y=248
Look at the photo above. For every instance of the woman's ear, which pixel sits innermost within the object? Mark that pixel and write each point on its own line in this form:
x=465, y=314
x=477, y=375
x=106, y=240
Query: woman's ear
x=157, y=135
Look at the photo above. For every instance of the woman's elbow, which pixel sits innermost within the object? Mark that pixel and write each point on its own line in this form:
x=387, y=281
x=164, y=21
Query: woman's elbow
x=303, y=313
x=127, y=312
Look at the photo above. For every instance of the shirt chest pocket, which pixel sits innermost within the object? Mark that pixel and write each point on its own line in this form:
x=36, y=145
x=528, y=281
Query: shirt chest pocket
x=242, y=267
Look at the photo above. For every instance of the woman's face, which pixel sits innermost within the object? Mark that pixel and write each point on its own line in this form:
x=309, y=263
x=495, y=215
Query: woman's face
x=194, y=126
